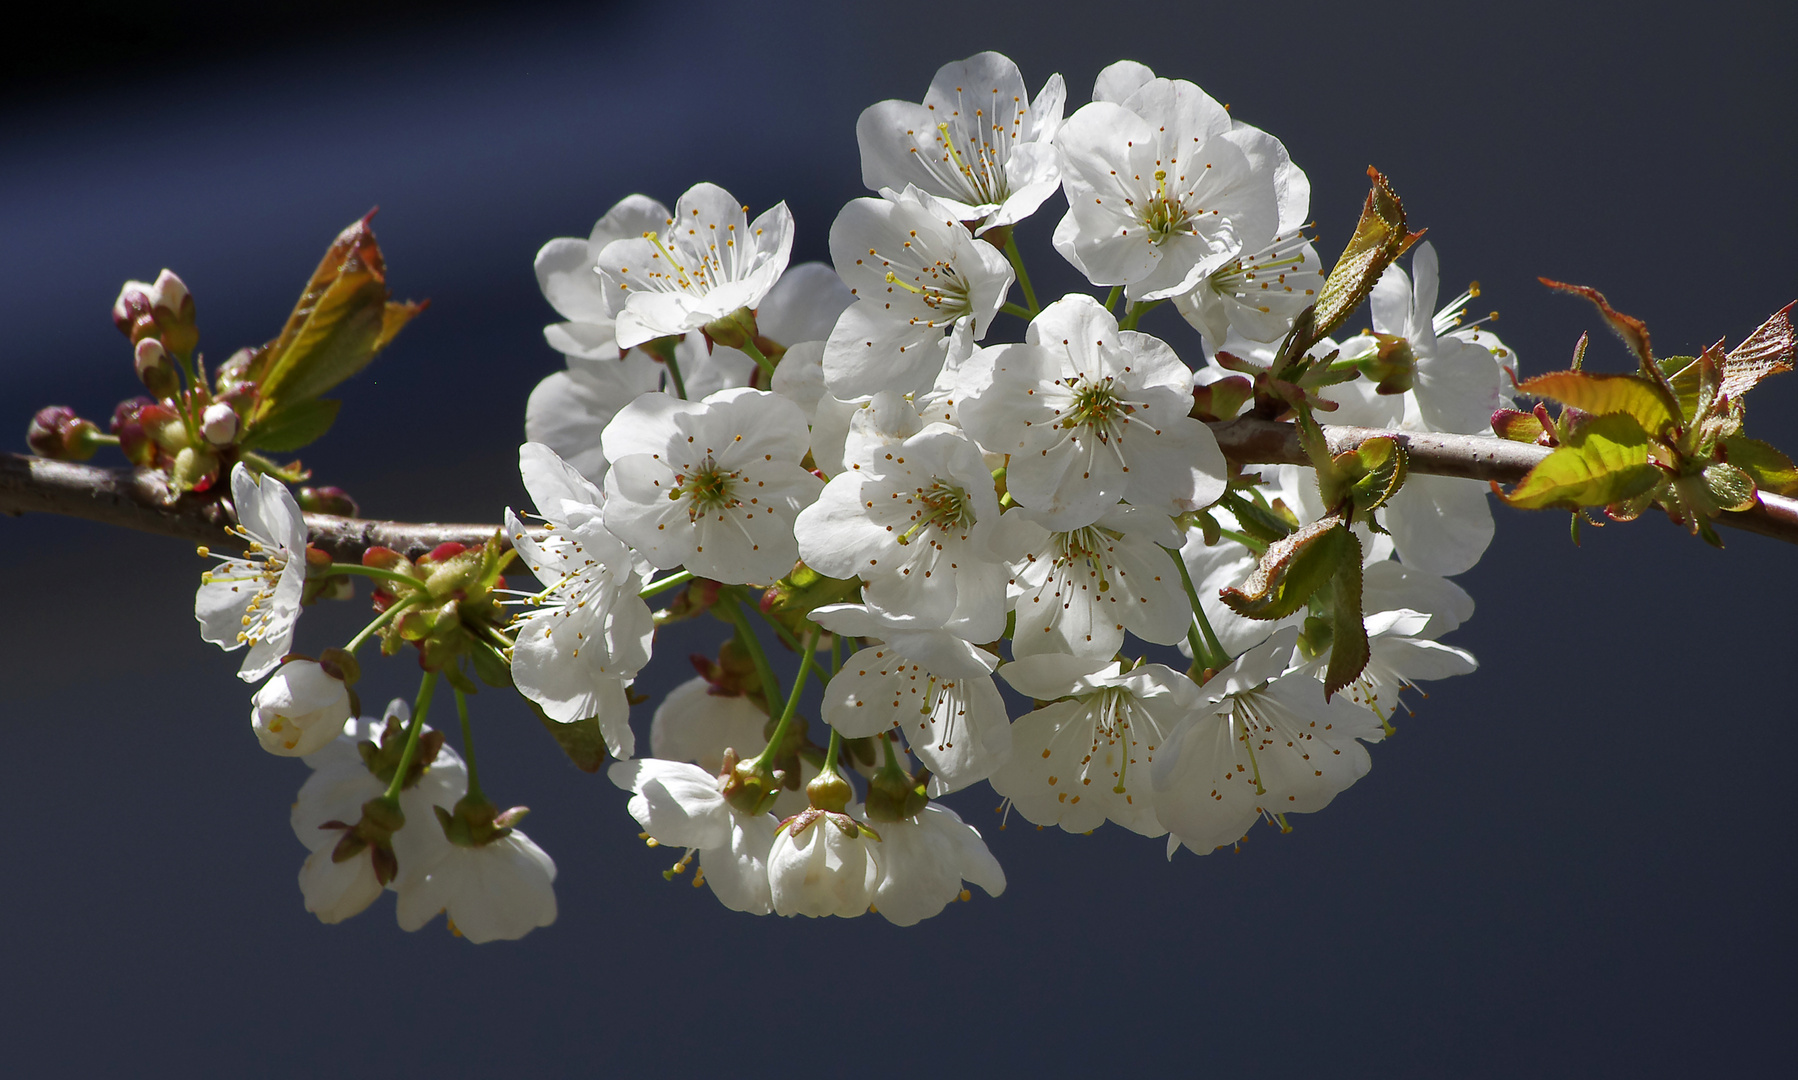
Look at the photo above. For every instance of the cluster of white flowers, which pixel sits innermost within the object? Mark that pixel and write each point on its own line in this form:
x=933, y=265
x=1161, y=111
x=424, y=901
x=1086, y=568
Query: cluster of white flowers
x=937, y=515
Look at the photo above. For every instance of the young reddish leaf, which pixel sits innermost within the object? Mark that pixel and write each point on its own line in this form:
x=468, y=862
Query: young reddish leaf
x=1652, y=406
x=1517, y=426
x=1379, y=238
x=1349, y=651
x=1291, y=570
x=1770, y=468
x=1632, y=330
x=1768, y=351
x=1603, y=461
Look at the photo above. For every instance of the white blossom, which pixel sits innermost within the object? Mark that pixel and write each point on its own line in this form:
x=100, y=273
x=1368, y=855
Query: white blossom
x=694, y=724
x=1091, y=415
x=568, y=273
x=254, y=599
x=587, y=633
x=333, y=796
x=1079, y=761
x=713, y=485
x=1076, y=591
x=1266, y=743
x=923, y=861
x=705, y=262
x=682, y=805
x=977, y=142
x=930, y=684
x=915, y=520
x=915, y=271
x=1164, y=189
x=300, y=709
x=497, y=891
x=822, y=864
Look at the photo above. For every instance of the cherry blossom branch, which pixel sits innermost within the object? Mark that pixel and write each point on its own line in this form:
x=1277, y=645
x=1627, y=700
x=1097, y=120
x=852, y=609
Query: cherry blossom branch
x=1265, y=442
x=132, y=498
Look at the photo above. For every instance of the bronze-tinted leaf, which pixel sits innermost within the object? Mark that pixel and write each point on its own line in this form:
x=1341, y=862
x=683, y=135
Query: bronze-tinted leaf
x=1768, y=351
x=1603, y=461
x=1651, y=405
x=1291, y=570
x=1380, y=237
x=1349, y=650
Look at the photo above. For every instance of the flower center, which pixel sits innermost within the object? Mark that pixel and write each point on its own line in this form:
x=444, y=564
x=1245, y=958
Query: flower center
x=706, y=488
x=1098, y=405
x=1163, y=213
x=944, y=505
x=939, y=288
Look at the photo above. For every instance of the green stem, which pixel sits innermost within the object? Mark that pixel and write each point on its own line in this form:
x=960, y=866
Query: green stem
x=359, y=570
x=1137, y=311
x=779, y=737
x=1254, y=544
x=832, y=753
x=1014, y=309
x=1205, y=646
x=1111, y=300
x=665, y=584
x=836, y=653
x=1017, y=263
x=419, y=708
x=385, y=617
x=746, y=634
x=673, y=366
x=474, y=776
x=755, y=354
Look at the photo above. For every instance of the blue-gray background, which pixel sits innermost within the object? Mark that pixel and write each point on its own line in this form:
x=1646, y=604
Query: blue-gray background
x=1575, y=861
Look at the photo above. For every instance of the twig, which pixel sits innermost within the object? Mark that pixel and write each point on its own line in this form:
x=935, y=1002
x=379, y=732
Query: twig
x=132, y=498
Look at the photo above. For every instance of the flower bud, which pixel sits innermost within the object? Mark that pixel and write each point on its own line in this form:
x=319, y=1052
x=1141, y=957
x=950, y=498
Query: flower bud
x=155, y=370
x=822, y=864
x=195, y=469
x=328, y=500
x=300, y=709
x=127, y=424
x=235, y=371
x=1392, y=364
x=219, y=424
x=894, y=796
x=56, y=432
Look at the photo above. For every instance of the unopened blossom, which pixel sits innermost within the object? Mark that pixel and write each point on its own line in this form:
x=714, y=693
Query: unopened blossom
x=934, y=687
x=923, y=861
x=568, y=273
x=977, y=142
x=1091, y=415
x=588, y=632
x=300, y=709
x=915, y=271
x=254, y=599
x=1080, y=761
x=915, y=520
x=706, y=261
x=332, y=798
x=497, y=891
x=682, y=806
x=713, y=485
x=1164, y=189
x=1266, y=743
x=1076, y=591
x=821, y=864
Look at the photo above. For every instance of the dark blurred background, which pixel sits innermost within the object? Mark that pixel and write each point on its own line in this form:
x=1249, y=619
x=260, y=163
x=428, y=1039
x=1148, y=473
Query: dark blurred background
x=1573, y=862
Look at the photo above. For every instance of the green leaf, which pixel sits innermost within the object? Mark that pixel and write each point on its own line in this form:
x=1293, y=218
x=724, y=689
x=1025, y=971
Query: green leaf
x=1603, y=461
x=1729, y=487
x=1291, y=570
x=1653, y=407
x=1380, y=237
x=491, y=667
x=1349, y=651
x=1771, y=469
x=292, y=426
x=581, y=740
x=1378, y=467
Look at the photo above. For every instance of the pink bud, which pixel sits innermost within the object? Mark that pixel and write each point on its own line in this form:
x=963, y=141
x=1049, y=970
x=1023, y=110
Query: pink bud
x=219, y=424
x=169, y=291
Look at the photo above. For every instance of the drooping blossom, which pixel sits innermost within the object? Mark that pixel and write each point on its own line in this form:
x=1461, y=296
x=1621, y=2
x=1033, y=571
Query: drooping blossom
x=683, y=806
x=254, y=599
x=922, y=862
